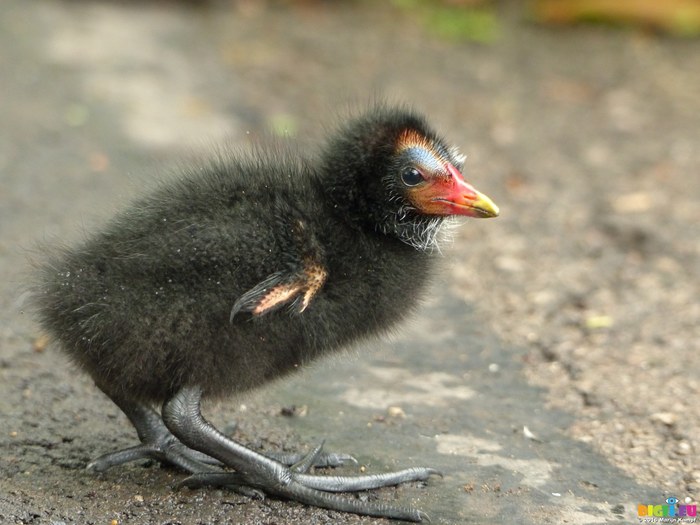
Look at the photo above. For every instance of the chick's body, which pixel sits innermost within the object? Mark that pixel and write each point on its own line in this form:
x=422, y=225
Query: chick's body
x=148, y=301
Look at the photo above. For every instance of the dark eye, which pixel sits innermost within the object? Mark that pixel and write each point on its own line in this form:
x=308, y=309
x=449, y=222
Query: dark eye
x=411, y=176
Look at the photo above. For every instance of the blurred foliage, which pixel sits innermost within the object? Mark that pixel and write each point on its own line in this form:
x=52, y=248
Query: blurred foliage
x=469, y=20
x=283, y=124
x=678, y=17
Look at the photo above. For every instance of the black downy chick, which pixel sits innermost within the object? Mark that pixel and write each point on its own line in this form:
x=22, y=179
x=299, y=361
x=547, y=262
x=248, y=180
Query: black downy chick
x=241, y=272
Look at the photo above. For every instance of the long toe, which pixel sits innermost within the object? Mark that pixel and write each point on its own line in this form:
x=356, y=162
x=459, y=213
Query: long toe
x=298, y=492
x=367, y=482
x=119, y=457
x=170, y=452
x=323, y=460
x=230, y=480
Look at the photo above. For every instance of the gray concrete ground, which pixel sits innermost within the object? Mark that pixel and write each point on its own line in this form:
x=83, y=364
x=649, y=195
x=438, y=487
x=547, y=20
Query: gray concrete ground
x=575, y=315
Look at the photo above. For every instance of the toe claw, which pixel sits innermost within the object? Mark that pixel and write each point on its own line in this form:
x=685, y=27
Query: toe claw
x=210, y=478
x=338, y=460
x=249, y=492
x=95, y=467
x=309, y=460
x=190, y=482
x=434, y=472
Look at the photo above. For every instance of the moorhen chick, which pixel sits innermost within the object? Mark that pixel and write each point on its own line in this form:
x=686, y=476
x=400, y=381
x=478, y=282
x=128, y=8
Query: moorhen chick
x=239, y=272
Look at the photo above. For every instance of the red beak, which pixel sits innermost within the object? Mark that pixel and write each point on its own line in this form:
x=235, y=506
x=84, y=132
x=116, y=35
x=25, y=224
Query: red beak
x=452, y=195
x=463, y=199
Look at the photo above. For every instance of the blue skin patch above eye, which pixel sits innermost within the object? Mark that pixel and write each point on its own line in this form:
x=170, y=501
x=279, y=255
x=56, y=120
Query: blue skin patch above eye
x=425, y=159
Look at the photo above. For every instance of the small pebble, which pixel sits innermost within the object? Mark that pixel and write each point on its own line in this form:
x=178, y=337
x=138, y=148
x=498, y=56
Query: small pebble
x=396, y=412
x=684, y=448
x=599, y=321
x=637, y=202
x=528, y=434
x=667, y=418
x=40, y=343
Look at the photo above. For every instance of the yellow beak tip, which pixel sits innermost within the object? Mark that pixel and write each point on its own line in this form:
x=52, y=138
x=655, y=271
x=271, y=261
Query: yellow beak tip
x=486, y=207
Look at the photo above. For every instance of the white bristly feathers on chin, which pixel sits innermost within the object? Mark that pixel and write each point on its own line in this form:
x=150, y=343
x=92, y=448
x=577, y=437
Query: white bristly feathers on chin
x=425, y=233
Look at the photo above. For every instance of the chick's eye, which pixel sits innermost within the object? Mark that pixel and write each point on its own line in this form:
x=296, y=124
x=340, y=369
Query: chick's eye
x=411, y=177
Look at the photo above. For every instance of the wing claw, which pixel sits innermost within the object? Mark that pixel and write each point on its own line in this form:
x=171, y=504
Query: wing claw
x=280, y=289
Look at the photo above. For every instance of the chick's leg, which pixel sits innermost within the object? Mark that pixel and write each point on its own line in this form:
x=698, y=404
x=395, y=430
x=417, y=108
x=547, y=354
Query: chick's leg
x=259, y=473
x=156, y=443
